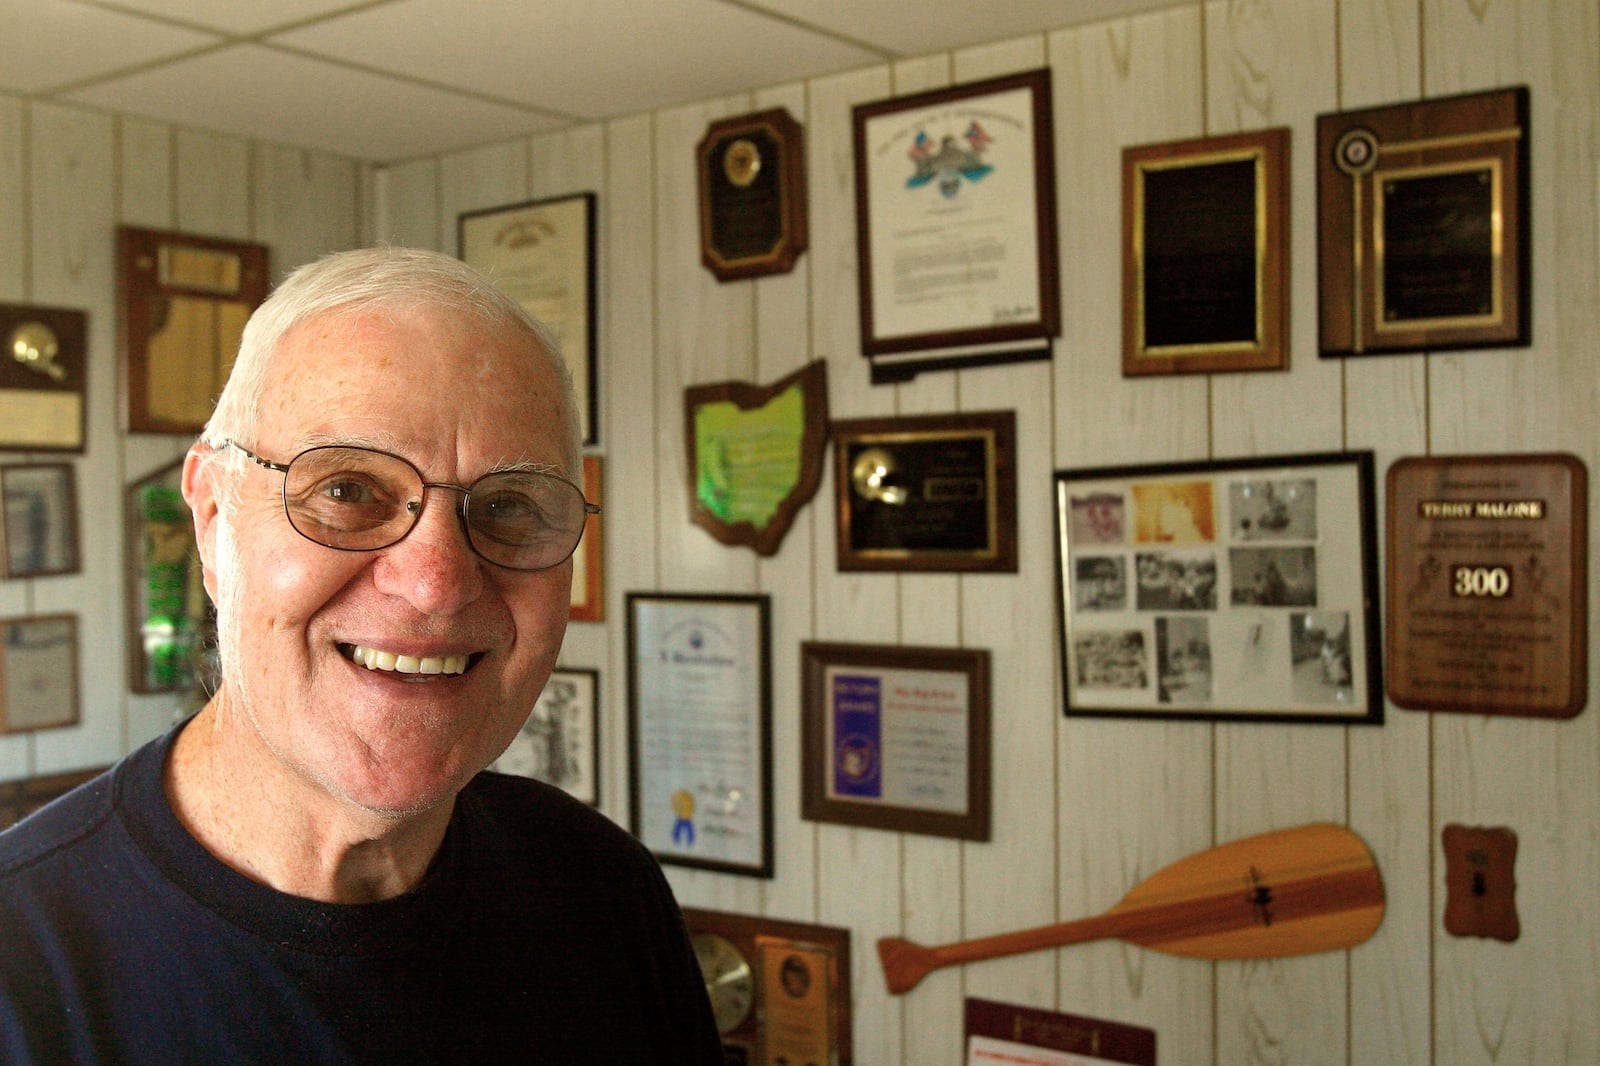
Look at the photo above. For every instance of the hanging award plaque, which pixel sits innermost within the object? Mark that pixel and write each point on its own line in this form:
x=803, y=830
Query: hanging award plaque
x=752, y=195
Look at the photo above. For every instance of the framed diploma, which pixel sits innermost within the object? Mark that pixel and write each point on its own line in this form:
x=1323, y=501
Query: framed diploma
x=700, y=729
x=588, y=562
x=1488, y=582
x=560, y=741
x=39, y=534
x=755, y=455
x=42, y=378
x=1205, y=255
x=896, y=738
x=956, y=225
x=780, y=991
x=1003, y=1034
x=934, y=492
x=541, y=254
x=182, y=303
x=752, y=195
x=1422, y=225
x=1241, y=589
x=38, y=672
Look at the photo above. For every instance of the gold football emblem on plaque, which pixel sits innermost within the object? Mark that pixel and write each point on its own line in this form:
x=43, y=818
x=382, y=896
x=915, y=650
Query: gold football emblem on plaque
x=742, y=162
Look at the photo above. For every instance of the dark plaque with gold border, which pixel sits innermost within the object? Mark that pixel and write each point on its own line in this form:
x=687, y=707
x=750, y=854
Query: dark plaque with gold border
x=42, y=378
x=182, y=302
x=780, y=991
x=1487, y=582
x=1422, y=225
x=752, y=179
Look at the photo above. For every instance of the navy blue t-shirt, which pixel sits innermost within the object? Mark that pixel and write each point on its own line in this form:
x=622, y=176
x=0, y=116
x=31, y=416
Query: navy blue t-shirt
x=542, y=933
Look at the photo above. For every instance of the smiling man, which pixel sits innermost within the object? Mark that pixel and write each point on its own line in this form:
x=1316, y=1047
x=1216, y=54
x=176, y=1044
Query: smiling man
x=315, y=867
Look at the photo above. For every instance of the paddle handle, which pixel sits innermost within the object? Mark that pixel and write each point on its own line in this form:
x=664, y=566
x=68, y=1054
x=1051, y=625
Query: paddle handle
x=906, y=963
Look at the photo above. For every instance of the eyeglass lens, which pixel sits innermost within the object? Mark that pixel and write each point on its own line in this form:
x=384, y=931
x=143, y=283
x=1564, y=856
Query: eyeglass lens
x=362, y=500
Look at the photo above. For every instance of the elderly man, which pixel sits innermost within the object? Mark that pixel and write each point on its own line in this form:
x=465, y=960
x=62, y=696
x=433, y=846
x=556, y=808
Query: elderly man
x=314, y=868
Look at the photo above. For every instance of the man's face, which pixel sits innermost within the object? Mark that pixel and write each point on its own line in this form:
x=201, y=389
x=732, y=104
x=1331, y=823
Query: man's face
x=457, y=401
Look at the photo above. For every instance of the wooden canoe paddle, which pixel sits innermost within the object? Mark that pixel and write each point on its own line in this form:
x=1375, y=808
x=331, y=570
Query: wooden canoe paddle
x=1289, y=892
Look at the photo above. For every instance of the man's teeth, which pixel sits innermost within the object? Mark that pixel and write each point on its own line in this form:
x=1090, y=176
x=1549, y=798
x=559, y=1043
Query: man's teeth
x=376, y=659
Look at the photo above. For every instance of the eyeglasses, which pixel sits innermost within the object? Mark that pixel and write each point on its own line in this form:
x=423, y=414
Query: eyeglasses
x=361, y=500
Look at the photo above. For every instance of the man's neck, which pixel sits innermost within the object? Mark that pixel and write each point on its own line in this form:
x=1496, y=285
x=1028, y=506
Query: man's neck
x=273, y=826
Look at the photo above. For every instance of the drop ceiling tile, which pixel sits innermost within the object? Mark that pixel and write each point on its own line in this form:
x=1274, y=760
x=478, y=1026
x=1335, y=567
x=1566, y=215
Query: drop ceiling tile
x=584, y=58
x=54, y=42
x=262, y=93
x=233, y=16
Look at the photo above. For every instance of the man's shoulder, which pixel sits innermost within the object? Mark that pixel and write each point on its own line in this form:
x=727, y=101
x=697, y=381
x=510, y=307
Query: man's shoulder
x=58, y=826
x=510, y=811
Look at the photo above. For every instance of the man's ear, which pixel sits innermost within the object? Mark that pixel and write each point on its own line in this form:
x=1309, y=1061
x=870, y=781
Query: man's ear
x=200, y=474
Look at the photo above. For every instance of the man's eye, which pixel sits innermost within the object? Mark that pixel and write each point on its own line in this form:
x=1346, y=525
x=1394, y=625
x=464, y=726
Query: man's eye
x=350, y=491
x=509, y=507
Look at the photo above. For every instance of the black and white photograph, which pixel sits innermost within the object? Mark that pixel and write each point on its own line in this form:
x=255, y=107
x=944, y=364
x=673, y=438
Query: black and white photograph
x=1177, y=580
x=1099, y=518
x=1100, y=583
x=40, y=532
x=1112, y=658
x=1183, y=659
x=1273, y=577
x=1319, y=643
x=1266, y=509
x=558, y=742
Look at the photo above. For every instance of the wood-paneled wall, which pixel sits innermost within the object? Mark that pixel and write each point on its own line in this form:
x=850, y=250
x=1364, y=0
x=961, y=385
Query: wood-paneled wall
x=1083, y=807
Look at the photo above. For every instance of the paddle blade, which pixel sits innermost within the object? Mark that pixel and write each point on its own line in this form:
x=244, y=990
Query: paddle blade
x=1289, y=892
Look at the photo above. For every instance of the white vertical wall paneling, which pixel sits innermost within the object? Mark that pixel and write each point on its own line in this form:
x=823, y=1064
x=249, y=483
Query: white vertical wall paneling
x=1526, y=1001
x=407, y=210
x=71, y=210
x=304, y=204
x=634, y=504
x=1131, y=796
x=859, y=871
x=782, y=346
x=1270, y=66
x=15, y=750
x=491, y=176
x=1385, y=410
x=1013, y=615
x=213, y=185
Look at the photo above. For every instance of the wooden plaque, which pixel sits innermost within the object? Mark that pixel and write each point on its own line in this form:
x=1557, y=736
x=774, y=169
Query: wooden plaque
x=1481, y=882
x=1422, y=225
x=42, y=378
x=1487, y=584
x=182, y=302
x=752, y=195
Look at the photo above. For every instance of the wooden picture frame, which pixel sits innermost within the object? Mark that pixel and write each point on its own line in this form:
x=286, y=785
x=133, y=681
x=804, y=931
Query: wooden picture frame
x=700, y=729
x=43, y=378
x=752, y=174
x=1205, y=255
x=541, y=253
x=1241, y=589
x=896, y=738
x=560, y=741
x=587, y=601
x=755, y=455
x=171, y=623
x=780, y=990
x=926, y=493
x=182, y=304
x=1422, y=226
x=39, y=526
x=965, y=173
x=39, y=687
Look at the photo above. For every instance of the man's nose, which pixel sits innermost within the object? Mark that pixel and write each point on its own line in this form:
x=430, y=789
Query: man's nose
x=434, y=566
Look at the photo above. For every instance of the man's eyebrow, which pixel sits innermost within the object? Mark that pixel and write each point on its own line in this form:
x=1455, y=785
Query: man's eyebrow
x=387, y=442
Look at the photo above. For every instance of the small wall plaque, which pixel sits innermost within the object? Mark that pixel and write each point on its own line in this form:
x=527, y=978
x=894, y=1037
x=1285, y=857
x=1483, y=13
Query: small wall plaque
x=42, y=378
x=1480, y=882
x=752, y=195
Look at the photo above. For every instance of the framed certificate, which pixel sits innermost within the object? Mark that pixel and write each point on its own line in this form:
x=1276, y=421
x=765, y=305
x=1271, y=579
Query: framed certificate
x=1205, y=255
x=931, y=492
x=1005, y=1034
x=40, y=532
x=1241, y=589
x=956, y=226
x=182, y=302
x=560, y=741
x=1422, y=225
x=38, y=672
x=700, y=729
x=541, y=254
x=896, y=738
x=42, y=378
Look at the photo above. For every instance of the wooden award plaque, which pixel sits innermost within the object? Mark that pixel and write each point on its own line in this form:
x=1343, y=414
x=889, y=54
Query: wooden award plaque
x=1487, y=584
x=752, y=195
